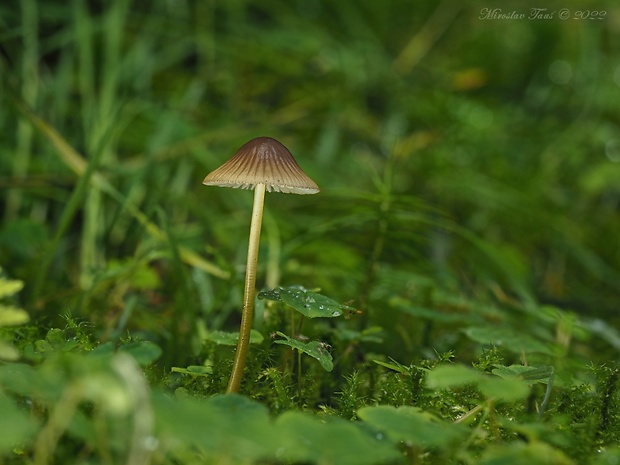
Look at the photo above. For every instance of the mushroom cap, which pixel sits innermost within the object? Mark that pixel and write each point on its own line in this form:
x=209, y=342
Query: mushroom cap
x=263, y=161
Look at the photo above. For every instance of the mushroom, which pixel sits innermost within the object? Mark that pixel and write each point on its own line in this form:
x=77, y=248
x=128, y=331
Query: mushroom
x=260, y=164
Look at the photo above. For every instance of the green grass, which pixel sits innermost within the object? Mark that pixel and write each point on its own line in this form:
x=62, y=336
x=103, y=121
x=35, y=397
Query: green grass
x=468, y=223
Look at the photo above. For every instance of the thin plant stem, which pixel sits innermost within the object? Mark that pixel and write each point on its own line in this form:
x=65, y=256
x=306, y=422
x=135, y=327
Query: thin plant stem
x=545, y=401
x=59, y=419
x=299, y=373
x=289, y=352
x=249, y=291
x=301, y=324
x=294, y=335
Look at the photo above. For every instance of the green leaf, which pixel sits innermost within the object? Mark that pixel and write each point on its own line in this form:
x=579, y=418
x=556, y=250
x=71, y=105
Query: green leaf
x=15, y=426
x=514, y=341
x=144, y=352
x=12, y=316
x=231, y=338
x=8, y=287
x=394, y=365
x=412, y=425
x=609, y=456
x=501, y=389
x=271, y=295
x=25, y=380
x=314, y=349
x=448, y=376
x=56, y=337
x=194, y=370
x=8, y=352
x=306, y=439
x=228, y=428
x=308, y=303
x=527, y=373
x=235, y=404
x=106, y=348
x=520, y=453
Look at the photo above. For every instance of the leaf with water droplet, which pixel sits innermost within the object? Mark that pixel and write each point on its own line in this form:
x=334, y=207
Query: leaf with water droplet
x=308, y=303
x=270, y=295
x=315, y=349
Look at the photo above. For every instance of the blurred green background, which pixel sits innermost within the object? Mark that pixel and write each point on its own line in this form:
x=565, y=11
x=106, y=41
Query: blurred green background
x=454, y=151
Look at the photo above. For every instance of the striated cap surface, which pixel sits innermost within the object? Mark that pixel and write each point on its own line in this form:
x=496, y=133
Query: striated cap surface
x=263, y=161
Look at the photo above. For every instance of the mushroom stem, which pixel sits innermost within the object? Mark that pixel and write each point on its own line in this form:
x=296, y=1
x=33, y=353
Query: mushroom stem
x=249, y=290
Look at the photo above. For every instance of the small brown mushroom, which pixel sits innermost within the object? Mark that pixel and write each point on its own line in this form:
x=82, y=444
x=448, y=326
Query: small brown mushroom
x=260, y=164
